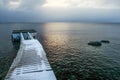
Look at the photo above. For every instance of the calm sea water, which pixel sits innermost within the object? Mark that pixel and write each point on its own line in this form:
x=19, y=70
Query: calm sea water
x=67, y=50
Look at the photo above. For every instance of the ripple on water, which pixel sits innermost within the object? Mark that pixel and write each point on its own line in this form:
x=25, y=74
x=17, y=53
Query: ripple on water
x=74, y=60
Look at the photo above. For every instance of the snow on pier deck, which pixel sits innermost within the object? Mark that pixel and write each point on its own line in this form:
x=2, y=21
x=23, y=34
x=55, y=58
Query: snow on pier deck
x=31, y=62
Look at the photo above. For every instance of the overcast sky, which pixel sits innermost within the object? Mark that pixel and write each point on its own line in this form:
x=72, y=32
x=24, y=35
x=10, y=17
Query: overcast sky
x=59, y=10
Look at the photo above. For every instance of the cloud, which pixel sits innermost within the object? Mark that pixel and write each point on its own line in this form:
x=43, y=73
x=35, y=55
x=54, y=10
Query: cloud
x=1, y=3
x=9, y=4
x=56, y=3
x=82, y=3
x=20, y=4
x=59, y=10
x=32, y=4
x=14, y=4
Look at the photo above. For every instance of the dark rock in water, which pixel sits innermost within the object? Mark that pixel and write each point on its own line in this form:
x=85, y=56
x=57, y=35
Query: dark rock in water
x=105, y=41
x=95, y=43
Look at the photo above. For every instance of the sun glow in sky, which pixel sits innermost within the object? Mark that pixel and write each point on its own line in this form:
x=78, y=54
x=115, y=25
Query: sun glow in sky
x=78, y=4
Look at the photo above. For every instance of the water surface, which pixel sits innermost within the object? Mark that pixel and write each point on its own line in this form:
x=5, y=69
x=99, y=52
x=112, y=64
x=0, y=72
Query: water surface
x=67, y=50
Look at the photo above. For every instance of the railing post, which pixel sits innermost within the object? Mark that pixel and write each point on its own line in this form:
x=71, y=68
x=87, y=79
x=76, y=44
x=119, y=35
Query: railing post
x=30, y=35
x=22, y=38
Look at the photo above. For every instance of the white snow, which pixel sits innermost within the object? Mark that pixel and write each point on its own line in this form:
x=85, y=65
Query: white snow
x=30, y=63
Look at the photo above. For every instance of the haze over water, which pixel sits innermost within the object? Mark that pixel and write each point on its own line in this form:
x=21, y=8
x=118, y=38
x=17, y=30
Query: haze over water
x=67, y=50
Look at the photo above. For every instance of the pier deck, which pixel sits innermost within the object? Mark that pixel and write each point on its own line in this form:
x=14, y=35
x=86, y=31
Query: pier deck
x=31, y=62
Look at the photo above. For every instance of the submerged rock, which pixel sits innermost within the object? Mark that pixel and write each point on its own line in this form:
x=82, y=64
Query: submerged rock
x=105, y=41
x=95, y=43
